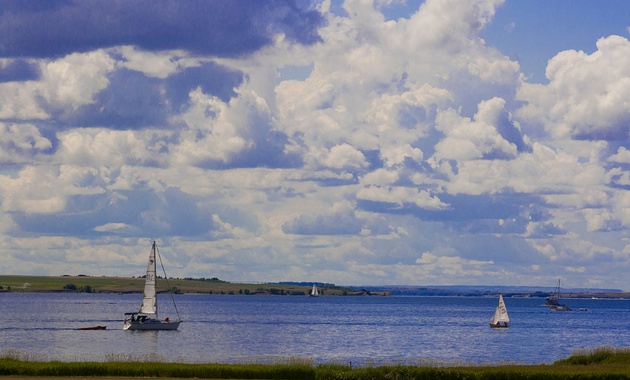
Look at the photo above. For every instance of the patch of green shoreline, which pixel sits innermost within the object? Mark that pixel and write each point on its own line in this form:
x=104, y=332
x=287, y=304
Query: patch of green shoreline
x=600, y=363
x=122, y=285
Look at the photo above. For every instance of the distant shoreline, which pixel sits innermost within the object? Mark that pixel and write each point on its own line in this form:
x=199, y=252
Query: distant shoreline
x=126, y=285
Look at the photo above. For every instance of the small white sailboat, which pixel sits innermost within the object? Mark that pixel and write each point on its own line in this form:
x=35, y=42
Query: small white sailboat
x=500, y=317
x=314, y=291
x=147, y=317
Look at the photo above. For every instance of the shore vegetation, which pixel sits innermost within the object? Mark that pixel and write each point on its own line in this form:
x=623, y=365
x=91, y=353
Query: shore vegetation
x=598, y=363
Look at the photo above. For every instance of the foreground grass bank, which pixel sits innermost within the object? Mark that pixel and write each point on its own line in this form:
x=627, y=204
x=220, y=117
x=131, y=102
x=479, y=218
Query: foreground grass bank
x=600, y=363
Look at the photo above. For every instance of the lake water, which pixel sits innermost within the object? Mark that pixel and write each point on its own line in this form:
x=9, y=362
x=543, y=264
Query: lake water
x=227, y=328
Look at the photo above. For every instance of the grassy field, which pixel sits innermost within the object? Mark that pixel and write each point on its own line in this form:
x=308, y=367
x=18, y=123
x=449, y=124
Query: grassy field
x=131, y=285
x=600, y=363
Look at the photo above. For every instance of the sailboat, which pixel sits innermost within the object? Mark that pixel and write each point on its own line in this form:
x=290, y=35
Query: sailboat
x=314, y=291
x=553, y=301
x=147, y=317
x=500, y=317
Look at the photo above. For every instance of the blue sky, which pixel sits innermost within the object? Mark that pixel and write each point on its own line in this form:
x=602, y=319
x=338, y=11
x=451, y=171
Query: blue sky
x=354, y=142
x=533, y=32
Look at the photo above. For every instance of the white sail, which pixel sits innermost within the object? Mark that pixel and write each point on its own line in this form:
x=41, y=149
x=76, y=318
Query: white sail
x=147, y=317
x=149, y=299
x=314, y=291
x=500, y=313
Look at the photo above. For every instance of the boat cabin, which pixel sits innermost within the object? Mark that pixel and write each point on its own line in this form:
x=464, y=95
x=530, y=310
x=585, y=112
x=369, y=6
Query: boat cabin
x=143, y=318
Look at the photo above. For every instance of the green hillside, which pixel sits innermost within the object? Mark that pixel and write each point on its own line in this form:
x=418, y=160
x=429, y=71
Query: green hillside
x=90, y=284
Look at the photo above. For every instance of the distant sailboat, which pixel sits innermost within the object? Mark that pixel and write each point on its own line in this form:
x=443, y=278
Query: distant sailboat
x=553, y=301
x=147, y=317
x=314, y=291
x=500, y=317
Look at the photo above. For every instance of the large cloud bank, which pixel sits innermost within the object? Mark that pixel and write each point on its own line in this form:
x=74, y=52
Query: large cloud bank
x=404, y=151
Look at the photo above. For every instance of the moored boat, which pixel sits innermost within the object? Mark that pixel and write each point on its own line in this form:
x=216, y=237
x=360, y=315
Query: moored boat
x=147, y=317
x=553, y=301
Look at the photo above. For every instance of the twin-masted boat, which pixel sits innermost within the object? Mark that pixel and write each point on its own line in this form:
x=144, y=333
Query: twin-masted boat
x=553, y=301
x=147, y=317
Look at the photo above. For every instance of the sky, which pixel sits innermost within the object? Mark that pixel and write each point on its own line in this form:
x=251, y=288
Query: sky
x=356, y=142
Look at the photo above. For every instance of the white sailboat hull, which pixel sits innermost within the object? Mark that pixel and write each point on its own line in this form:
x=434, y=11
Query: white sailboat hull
x=151, y=324
x=560, y=308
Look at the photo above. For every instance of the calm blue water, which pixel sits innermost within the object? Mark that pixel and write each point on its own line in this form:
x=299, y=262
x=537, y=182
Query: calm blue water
x=223, y=328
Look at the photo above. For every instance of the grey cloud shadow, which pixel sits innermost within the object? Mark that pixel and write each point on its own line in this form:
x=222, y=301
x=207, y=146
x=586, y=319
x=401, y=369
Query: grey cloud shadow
x=219, y=28
x=144, y=212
